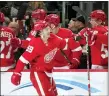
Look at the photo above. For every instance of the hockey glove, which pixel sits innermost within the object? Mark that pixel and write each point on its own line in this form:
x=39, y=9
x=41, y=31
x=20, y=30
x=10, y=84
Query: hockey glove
x=75, y=64
x=16, y=78
x=16, y=42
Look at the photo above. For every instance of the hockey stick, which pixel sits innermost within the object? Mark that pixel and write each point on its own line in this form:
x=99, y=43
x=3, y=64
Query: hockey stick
x=65, y=56
x=88, y=66
x=77, y=9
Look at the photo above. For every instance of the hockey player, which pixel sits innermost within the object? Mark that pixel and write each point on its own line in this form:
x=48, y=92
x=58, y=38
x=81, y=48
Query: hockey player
x=73, y=50
x=36, y=15
x=40, y=53
x=7, y=51
x=99, y=51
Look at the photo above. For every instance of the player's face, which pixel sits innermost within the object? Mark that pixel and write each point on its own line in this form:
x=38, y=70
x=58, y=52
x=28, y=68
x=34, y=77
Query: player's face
x=54, y=29
x=46, y=32
x=71, y=24
x=93, y=22
x=52, y=26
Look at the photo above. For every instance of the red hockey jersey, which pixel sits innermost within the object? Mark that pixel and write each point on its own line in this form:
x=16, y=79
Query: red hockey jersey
x=39, y=55
x=99, y=51
x=6, y=50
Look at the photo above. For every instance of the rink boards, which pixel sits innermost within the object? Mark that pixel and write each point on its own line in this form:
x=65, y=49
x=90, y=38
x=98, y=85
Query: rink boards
x=68, y=82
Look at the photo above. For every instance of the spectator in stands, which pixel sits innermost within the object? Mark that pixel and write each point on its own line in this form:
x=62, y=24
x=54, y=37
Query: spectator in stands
x=52, y=5
x=33, y=5
x=6, y=10
x=6, y=22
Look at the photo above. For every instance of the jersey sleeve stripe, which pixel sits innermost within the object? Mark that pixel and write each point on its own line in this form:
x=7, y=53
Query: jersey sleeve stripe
x=28, y=39
x=24, y=60
x=77, y=49
x=66, y=46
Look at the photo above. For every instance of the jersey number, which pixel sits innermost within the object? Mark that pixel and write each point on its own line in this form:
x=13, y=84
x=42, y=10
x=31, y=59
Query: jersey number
x=104, y=51
x=5, y=44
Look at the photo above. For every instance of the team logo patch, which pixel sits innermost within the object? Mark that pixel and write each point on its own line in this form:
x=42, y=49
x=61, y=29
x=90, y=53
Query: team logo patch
x=48, y=57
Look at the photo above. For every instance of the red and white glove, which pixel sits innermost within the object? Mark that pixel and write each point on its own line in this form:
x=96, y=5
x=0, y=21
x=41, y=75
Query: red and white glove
x=75, y=64
x=16, y=42
x=16, y=78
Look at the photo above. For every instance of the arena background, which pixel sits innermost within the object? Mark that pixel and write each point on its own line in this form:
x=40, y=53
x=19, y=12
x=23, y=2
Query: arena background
x=63, y=8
